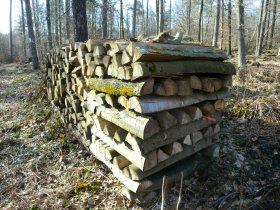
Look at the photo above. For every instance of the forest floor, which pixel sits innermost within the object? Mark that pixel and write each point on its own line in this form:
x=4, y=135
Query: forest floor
x=43, y=165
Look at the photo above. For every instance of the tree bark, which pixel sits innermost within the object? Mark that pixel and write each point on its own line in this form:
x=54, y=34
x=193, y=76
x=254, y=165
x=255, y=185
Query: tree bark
x=157, y=16
x=259, y=28
x=121, y=21
x=241, y=40
x=23, y=30
x=32, y=44
x=200, y=22
x=274, y=10
x=217, y=23
x=11, y=33
x=104, y=19
x=229, y=28
x=80, y=20
x=134, y=18
x=262, y=31
x=48, y=17
x=67, y=18
x=161, y=15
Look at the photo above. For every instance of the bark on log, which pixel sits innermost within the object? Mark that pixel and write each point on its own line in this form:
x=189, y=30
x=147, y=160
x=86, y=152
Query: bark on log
x=141, y=69
x=151, y=104
x=166, y=52
x=118, y=87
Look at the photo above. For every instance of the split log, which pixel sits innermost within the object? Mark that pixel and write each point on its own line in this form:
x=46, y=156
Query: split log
x=159, y=89
x=111, y=100
x=194, y=112
x=126, y=58
x=181, y=116
x=110, y=129
x=120, y=135
x=151, y=104
x=184, y=87
x=170, y=87
x=196, y=137
x=141, y=126
x=181, y=67
x=166, y=52
x=161, y=156
x=123, y=101
x=219, y=104
x=114, y=47
x=99, y=51
x=173, y=148
x=165, y=119
x=117, y=87
x=121, y=162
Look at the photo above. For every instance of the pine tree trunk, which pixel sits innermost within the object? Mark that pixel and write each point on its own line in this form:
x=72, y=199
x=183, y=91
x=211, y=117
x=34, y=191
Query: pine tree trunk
x=229, y=28
x=67, y=19
x=80, y=20
x=56, y=22
x=121, y=20
x=32, y=44
x=157, y=16
x=274, y=10
x=49, y=24
x=222, y=26
x=134, y=19
x=241, y=40
x=217, y=23
x=104, y=19
x=23, y=30
x=147, y=18
x=161, y=15
x=200, y=22
x=170, y=15
x=11, y=33
x=189, y=17
x=59, y=21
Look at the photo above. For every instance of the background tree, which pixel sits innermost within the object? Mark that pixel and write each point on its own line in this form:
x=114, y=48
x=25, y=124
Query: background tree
x=32, y=44
x=104, y=19
x=241, y=39
x=229, y=28
x=134, y=18
x=80, y=20
x=23, y=30
x=161, y=15
x=11, y=33
x=217, y=23
x=272, y=29
x=199, y=36
x=48, y=18
x=121, y=21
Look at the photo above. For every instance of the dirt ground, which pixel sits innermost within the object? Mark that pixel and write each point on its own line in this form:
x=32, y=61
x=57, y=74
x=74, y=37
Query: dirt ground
x=43, y=165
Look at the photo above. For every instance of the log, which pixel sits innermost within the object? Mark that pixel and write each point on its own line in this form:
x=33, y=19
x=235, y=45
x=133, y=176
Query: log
x=173, y=148
x=170, y=87
x=159, y=89
x=128, y=183
x=128, y=72
x=141, y=69
x=120, y=135
x=99, y=51
x=117, y=60
x=181, y=116
x=111, y=100
x=196, y=137
x=106, y=61
x=141, y=126
x=207, y=108
x=117, y=87
x=121, y=162
x=110, y=129
x=172, y=134
x=100, y=71
x=123, y=101
x=194, y=112
x=114, y=47
x=151, y=104
x=142, y=162
x=184, y=87
x=126, y=58
x=165, y=119
x=187, y=140
x=166, y=52
x=161, y=156
x=91, y=43
x=219, y=104
x=195, y=82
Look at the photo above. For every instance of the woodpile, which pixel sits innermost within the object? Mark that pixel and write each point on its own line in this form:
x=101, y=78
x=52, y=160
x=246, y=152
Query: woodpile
x=146, y=110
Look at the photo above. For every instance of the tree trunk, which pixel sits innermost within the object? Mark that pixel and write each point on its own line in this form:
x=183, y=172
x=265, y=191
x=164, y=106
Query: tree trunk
x=161, y=15
x=32, y=44
x=147, y=18
x=56, y=22
x=274, y=10
x=23, y=30
x=229, y=28
x=67, y=18
x=157, y=16
x=217, y=23
x=59, y=21
x=11, y=33
x=263, y=24
x=259, y=27
x=134, y=19
x=121, y=20
x=241, y=40
x=80, y=20
x=189, y=17
x=200, y=22
x=222, y=26
x=170, y=15
x=104, y=19
x=49, y=24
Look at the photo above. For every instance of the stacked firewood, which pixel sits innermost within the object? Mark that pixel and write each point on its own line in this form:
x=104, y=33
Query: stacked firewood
x=144, y=109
